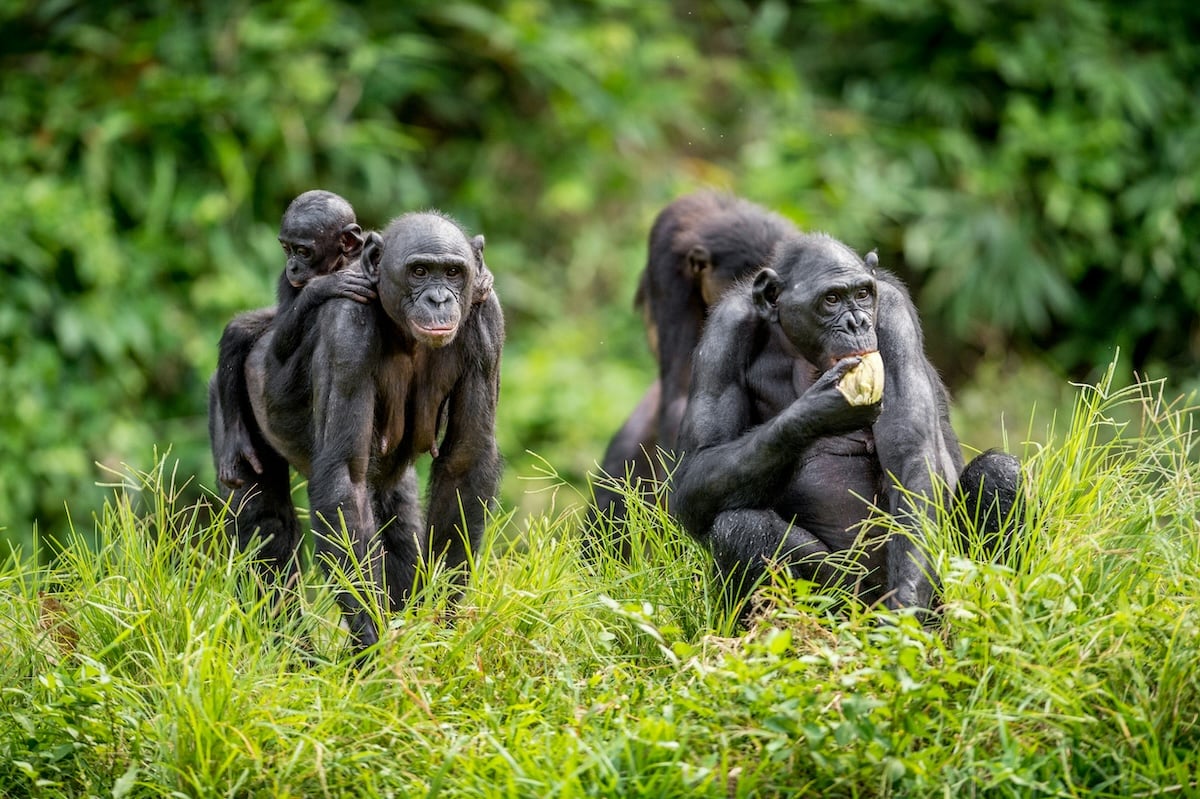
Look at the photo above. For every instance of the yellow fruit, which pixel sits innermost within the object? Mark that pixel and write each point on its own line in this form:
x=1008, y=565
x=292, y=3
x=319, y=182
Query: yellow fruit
x=863, y=385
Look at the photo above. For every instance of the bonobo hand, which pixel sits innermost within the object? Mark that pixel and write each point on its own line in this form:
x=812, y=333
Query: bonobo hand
x=350, y=285
x=827, y=408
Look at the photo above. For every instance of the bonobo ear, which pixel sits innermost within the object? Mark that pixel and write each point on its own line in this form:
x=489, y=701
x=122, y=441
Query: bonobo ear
x=872, y=259
x=350, y=239
x=768, y=285
x=698, y=259
x=483, y=284
x=483, y=278
x=372, y=254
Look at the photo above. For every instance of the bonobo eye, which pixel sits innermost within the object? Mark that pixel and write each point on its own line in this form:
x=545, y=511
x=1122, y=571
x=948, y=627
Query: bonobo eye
x=862, y=294
x=452, y=271
x=420, y=271
x=831, y=299
x=303, y=252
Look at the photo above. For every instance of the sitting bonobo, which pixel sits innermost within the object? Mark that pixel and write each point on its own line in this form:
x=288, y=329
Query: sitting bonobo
x=322, y=242
x=810, y=393
x=699, y=246
x=366, y=390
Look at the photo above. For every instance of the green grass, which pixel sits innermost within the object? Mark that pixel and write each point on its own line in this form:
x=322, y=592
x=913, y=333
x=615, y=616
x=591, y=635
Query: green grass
x=131, y=667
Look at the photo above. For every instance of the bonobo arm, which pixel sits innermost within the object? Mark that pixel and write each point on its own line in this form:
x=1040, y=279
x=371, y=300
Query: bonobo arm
x=913, y=440
x=466, y=473
x=727, y=463
x=343, y=418
x=291, y=319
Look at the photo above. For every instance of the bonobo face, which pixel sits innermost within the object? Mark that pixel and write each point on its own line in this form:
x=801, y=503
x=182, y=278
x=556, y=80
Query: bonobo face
x=308, y=255
x=318, y=233
x=823, y=297
x=426, y=276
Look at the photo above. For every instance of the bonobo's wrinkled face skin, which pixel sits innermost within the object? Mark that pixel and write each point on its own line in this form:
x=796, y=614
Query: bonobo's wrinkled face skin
x=426, y=276
x=823, y=297
x=311, y=235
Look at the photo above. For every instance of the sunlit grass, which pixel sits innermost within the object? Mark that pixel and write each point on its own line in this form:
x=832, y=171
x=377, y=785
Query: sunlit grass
x=139, y=664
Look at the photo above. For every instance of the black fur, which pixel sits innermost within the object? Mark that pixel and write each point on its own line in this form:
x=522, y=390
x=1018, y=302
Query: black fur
x=322, y=242
x=777, y=467
x=699, y=246
x=368, y=389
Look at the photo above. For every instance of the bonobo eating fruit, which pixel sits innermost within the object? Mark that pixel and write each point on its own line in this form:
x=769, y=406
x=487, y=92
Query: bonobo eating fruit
x=366, y=389
x=321, y=240
x=811, y=401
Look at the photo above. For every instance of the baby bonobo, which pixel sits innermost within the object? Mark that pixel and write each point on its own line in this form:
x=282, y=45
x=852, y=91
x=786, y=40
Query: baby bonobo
x=322, y=241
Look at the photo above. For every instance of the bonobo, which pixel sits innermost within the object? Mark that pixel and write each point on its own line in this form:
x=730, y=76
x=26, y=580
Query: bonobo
x=368, y=389
x=321, y=239
x=699, y=246
x=778, y=465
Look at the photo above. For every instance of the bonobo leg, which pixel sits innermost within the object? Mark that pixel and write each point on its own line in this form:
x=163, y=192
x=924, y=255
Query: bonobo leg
x=398, y=509
x=262, y=514
x=261, y=505
x=745, y=542
x=988, y=501
x=228, y=396
x=630, y=455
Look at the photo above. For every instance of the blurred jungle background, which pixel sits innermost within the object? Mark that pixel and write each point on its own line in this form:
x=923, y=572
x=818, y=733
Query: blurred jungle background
x=1029, y=168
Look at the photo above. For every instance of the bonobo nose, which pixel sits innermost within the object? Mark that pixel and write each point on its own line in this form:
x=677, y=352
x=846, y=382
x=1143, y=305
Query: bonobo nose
x=857, y=322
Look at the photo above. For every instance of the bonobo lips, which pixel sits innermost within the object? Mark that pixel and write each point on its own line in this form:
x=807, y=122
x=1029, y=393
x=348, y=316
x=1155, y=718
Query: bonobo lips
x=852, y=354
x=437, y=332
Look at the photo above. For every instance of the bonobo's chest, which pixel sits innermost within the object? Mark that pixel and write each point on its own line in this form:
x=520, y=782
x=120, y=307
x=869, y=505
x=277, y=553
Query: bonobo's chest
x=837, y=476
x=775, y=379
x=413, y=390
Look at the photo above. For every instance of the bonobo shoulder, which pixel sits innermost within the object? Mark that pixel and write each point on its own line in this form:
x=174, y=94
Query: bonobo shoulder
x=484, y=332
x=731, y=327
x=348, y=329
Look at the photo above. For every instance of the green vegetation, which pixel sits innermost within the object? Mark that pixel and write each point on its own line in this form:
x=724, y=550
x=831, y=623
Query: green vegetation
x=1029, y=167
x=133, y=670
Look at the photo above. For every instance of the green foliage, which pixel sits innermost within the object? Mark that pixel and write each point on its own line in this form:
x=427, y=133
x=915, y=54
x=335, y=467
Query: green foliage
x=133, y=669
x=1029, y=167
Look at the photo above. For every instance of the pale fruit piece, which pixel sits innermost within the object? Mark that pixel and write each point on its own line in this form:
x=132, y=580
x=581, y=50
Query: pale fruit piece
x=863, y=385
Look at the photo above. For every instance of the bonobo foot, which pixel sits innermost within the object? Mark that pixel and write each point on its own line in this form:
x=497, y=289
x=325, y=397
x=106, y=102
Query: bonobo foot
x=237, y=447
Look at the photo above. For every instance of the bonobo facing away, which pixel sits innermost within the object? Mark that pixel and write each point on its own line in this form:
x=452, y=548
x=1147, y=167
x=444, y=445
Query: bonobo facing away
x=777, y=466
x=368, y=389
x=699, y=246
x=320, y=238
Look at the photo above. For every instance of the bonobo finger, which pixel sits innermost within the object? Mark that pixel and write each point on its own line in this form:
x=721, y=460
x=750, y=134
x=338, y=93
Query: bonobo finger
x=362, y=297
x=838, y=371
x=845, y=365
x=252, y=458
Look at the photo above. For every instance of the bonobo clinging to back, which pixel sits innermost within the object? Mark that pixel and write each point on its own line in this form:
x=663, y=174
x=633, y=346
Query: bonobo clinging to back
x=779, y=466
x=367, y=389
x=699, y=246
x=321, y=239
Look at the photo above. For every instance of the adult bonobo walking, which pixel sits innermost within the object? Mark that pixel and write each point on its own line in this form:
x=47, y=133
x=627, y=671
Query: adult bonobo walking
x=369, y=389
x=699, y=246
x=780, y=463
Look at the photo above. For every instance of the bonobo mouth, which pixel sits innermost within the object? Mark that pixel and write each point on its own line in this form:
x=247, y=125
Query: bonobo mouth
x=852, y=354
x=436, y=334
